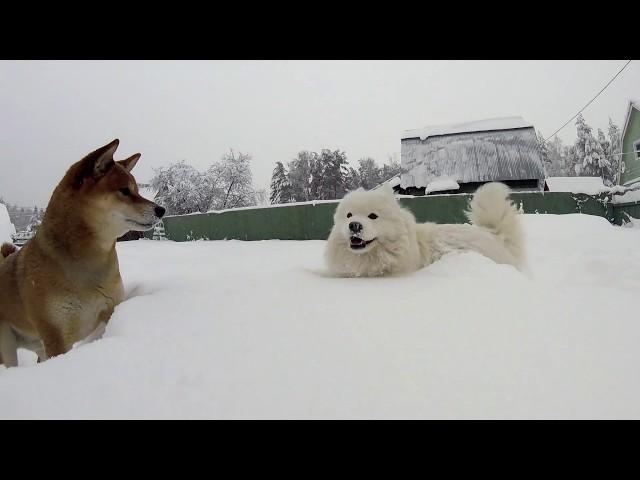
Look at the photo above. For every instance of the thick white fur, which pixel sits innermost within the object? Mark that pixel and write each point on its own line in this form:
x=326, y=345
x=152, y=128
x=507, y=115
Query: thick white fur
x=401, y=245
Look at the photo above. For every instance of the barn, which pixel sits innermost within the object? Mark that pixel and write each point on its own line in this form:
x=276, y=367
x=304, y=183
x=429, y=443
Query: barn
x=459, y=158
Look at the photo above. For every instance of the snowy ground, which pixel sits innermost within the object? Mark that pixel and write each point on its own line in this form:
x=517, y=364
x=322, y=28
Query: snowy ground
x=248, y=330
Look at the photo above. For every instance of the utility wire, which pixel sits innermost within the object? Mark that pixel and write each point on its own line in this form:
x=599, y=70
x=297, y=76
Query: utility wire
x=590, y=101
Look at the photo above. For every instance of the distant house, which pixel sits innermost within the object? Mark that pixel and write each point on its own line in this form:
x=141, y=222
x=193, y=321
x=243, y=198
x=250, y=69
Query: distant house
x=459, y=158
x=630, y=165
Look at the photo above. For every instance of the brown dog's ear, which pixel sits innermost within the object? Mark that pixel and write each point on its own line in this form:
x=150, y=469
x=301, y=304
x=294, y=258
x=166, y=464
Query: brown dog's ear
x=129, y=163
x=97, y=163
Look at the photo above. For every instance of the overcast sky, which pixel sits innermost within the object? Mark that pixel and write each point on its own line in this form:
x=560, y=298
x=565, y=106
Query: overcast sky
x=54, y=112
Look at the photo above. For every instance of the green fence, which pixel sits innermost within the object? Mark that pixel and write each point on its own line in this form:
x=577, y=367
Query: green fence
x=623, y=211
x=313, y=221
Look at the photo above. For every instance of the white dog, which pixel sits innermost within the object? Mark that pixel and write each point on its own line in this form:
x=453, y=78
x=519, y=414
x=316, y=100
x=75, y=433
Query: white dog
x=373, y=235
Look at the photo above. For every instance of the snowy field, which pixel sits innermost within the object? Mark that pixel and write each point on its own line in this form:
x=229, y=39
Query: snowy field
x=250, y=330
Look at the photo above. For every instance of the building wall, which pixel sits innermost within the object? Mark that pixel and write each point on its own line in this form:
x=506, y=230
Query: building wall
x=632, y=164
x=472, y=157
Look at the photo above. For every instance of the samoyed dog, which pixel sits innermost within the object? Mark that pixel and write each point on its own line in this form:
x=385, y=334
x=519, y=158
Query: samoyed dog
x=373, y=235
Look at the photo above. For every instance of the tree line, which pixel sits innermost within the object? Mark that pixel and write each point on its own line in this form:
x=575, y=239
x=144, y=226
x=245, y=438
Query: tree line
x=590, y=155
x=326, y=176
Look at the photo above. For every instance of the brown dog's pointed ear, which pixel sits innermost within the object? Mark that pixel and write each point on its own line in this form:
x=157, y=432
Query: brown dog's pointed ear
x=130, y=163
x=102, y=159
x=97, y=163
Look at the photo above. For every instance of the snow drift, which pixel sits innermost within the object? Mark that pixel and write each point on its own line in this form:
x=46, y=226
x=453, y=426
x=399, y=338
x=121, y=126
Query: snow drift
x=250, y=330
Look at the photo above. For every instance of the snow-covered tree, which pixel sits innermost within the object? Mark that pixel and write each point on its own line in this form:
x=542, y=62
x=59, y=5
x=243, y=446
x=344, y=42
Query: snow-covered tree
x=262, y=197
x=280, y=186
x=334, y=170
x=390, y=169
x=545, y=153
x=593, y=161
x=353, y=180
x=369, y=173
x=572, y=163
x=233, y=181
x=300, y=176
x=179, y=188
x=615, y=148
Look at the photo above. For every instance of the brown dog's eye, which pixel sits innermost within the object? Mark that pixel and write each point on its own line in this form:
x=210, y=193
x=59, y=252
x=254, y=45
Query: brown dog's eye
x=125, y=191
x=349, y=215
x=373, y=216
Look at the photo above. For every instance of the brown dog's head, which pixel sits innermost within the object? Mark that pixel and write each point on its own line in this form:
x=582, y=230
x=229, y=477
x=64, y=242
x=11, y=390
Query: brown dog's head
x=109, y=195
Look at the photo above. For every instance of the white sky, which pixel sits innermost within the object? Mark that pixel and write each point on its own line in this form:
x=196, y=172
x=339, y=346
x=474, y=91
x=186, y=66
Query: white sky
x=54, y=112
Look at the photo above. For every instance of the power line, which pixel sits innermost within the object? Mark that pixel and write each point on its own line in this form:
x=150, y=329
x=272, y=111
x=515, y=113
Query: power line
x=590, y=101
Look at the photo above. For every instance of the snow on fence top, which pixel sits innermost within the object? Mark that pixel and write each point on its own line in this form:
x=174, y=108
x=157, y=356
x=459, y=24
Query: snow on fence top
x=588, y=185
x=6, y=227
x=502, y=123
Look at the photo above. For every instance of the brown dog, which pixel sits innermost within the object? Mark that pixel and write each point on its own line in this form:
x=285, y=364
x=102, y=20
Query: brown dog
x=66, y=282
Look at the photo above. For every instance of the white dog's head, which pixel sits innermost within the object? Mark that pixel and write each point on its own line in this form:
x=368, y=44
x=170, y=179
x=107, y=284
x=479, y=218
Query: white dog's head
x=372, y=235
x=367, y=220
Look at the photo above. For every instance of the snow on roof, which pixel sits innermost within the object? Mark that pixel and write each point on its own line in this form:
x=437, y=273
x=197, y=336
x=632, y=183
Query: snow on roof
x=6, y=227
x=393, y=181
x=588, y=185
x=441, y=184
x=502, y=123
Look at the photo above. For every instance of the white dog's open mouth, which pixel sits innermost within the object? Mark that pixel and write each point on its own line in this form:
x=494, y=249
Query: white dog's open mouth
x=358, y=243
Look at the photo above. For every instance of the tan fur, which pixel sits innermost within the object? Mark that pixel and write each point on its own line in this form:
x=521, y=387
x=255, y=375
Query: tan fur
x=66, y=281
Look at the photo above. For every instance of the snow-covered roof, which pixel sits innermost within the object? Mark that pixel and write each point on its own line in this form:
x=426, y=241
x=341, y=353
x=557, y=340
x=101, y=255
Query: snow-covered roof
x=502, y=123
x=632, y=104
x=6, y=227
x=393, y=181
x=441, y=184
x=588, y=185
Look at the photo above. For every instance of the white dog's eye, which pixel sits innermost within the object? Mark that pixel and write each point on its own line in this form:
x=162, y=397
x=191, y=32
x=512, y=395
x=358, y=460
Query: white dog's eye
x=349, y=215
x=373, y=216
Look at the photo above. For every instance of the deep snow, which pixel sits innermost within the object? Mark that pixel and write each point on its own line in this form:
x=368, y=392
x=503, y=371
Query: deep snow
x=249, y=330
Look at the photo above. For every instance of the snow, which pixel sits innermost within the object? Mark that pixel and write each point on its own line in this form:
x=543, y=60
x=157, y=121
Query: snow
x=631, y=222
x=632, y=194
x=6, y=227
x=441, y=184
x=252, y=330
x=502, y=123
x=588, y=185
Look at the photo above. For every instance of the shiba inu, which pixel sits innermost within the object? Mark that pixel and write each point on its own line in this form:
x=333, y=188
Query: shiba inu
x=373, y=235
x=65, y=282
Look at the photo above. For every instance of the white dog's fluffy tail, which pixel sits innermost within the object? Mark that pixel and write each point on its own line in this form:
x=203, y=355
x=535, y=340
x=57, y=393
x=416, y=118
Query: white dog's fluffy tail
x=491, y=209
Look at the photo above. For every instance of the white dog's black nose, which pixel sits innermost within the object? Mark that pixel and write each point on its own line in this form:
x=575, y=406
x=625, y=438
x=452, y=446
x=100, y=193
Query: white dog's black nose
x=355, y=227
